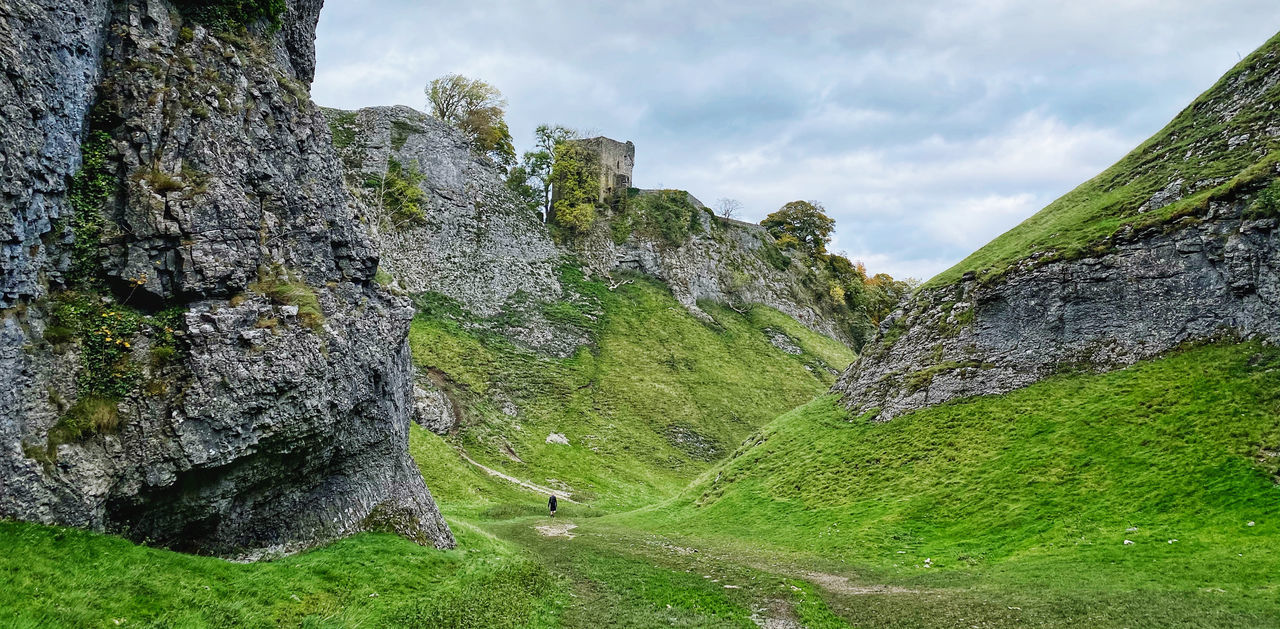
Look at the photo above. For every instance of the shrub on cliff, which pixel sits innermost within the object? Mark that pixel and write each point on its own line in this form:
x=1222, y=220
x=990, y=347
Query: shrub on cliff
x=801, y=223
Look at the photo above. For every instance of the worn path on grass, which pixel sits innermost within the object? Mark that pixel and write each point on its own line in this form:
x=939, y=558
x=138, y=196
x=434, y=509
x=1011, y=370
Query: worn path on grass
x=511, y=479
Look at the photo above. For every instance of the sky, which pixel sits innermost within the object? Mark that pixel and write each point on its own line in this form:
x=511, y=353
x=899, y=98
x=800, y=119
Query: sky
x=925, y=128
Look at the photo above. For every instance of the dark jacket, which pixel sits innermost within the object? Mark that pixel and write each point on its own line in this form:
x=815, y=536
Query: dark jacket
x=552, y=503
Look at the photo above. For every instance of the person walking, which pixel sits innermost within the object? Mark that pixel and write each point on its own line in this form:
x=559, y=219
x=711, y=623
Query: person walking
x=552, y=505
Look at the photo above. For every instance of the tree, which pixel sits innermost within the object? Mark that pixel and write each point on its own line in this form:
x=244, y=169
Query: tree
x=477, y=109
x=526, y=188
x=577, y=184
x=802, y=224
x=728, y=208
x=537, y=164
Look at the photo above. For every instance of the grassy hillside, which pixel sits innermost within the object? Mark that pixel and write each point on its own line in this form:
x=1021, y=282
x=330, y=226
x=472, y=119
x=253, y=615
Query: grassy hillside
x=1035, y=491
x=656, y=398
x=1217, y=147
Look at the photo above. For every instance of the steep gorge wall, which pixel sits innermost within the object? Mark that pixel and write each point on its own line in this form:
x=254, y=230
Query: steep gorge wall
x=1210, y=276
x=723, y=261
x=277, y=414
x=478, y=245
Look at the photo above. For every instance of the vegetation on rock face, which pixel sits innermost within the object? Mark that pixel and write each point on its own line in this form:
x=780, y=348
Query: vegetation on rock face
x=801, y=224
x=577, y=184
x=89, y=192
x=477, y=109
x=398, y=195
x=118, y=347
x=285, y=288
x=667, y=215
x=233, y=14
x=1216, y=148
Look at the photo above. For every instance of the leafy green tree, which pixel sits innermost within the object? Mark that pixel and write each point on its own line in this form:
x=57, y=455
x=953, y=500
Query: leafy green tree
x=536, y=165
x=526, y=188
x=801, y=224
x=478, y=110
x=577, y=187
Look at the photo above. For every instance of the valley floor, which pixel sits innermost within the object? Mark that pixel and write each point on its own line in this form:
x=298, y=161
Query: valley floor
x=1145, y=497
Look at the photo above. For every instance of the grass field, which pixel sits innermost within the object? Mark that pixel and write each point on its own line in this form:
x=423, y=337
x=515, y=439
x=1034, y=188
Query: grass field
x=777, y=509
x=1031, y=496
x=1020, y=504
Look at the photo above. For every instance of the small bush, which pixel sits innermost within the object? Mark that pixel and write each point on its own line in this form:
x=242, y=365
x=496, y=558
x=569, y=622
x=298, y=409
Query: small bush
x=667, y=214
x=770, y=253
x=1266, y=204
x=159, y=181
x=398, y=194
x=282, y=287
x=162, y=355
x=57, y=334
x=233, y=14
x=91, y=414
x=577, y=217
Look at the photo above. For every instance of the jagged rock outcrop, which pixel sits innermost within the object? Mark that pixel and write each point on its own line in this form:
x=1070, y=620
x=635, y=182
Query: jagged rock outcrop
x=470, y=240
x=725, y=261
x=196, y=352
x=1177, y=243
x=1219, y=277
x=477, y=244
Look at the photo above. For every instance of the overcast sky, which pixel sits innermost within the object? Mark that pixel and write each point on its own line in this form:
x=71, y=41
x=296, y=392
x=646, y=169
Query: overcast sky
x=926, y=128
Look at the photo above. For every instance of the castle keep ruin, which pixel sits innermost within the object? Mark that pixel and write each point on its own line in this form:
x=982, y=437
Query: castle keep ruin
x=614, y=161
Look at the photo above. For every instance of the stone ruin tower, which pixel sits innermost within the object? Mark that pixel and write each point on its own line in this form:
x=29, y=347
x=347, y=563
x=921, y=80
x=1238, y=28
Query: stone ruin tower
x=614, y=161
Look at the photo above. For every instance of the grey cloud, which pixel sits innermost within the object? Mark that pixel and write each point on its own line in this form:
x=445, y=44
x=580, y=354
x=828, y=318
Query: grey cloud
x=926, y=127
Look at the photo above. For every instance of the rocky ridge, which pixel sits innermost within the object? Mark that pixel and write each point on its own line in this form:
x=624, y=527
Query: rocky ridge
x=1175, y=244
x=476, y=244
x=1215, y=278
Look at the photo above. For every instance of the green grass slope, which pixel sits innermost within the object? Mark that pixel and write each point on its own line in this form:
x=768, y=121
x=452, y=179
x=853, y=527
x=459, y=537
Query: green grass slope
x=1217, y=147
x=55, y=577
x=656, y=398
x=1034, y=491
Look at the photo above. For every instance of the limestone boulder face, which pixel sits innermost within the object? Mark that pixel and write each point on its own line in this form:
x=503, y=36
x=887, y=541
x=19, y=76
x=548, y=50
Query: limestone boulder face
x=1213, y=278
x=281, y=420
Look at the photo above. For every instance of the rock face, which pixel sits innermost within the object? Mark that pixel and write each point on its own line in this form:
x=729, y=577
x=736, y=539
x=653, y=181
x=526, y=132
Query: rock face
x=473, y=243
x=1216, y=276
x=476, y=243
x=52, y=60
x=278, y=418
x=726, y=261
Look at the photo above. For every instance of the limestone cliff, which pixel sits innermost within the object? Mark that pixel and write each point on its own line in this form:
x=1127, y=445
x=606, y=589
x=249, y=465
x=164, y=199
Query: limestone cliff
x=475, y=243
x=193, y=346
x=1182, y=246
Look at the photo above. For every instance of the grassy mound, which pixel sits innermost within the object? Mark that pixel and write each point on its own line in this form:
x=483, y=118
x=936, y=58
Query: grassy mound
x=1039, y=488
x=1217, y=147
x=652, y=403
